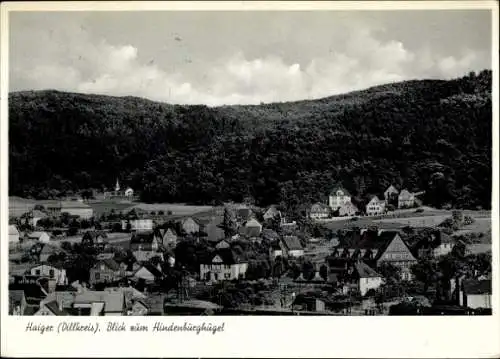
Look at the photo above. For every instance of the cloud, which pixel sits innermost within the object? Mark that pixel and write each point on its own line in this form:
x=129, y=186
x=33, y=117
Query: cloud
x=360, y=61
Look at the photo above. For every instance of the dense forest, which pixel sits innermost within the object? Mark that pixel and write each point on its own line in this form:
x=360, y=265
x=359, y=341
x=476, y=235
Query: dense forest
x=431, y=135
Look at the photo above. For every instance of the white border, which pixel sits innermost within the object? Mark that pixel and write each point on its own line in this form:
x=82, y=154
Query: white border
x=413, y=337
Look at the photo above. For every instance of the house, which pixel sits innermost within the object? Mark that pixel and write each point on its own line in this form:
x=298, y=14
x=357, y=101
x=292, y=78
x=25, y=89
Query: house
x=375, y=207
x=366, y=277
x=190, y=226
x=17, y=302
x=251, y=228
x=129, y=192
x=347, y=209
x=319, y=211
x=98, y=239
x=85, y=302
x=222, y=244
x=33, y=216
x=213, y=230
x=375, y=248
x=148, y=272
x=143, y=241
x=244, y=214
x=275, y=250
x=42, y=237
x=224, y=264
x=270, y=234
x=73, y=208
x=338, y=197
x=49, y=250
x=166, y=237
x=137, y=224
x=291, y=247
x=390, y=194
x=55, y=273
x=13, y=234
x=445, y=245
x=106, y=270
x=475, y=293
x=51, y=308
x=271, y=213
x=406, y=199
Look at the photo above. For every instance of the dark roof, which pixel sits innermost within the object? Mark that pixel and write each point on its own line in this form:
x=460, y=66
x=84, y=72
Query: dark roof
x=153, y=270
x=227, y=255
x=54, y=308
x=472, y=286
x=142, y=237
x=269, y=234
x=292, y=242
x=110, y=263
x=365, y=271
x=244, y=213
x=33, y=292
x=249, y=231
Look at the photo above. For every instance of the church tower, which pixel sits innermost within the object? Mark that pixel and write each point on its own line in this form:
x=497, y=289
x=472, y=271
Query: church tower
x=117, y=186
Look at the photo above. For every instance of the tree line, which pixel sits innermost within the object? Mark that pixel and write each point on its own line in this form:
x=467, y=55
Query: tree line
x=430, y=135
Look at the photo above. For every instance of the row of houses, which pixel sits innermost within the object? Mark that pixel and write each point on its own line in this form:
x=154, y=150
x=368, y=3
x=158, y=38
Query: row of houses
x=340, y=203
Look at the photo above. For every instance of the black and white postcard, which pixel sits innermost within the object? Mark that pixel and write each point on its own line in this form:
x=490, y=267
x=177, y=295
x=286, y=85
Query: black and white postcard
x=250, y=179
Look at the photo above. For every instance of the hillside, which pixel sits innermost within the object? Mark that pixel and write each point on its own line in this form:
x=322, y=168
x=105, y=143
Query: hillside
x=431, y=135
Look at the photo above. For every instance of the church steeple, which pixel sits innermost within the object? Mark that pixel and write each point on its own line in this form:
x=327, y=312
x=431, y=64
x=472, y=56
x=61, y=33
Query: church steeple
x=117, y=186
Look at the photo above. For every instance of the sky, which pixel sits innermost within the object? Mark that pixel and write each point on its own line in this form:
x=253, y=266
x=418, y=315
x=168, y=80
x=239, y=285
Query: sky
x=235, y=57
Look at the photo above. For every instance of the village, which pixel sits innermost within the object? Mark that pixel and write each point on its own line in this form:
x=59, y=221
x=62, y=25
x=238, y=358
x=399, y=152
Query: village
x=117, y=256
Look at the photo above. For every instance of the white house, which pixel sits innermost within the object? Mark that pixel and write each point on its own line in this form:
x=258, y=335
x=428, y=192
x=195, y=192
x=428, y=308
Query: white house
x=406, y=199
x=129, y=192
x=50, y=272
x=139, y=224
x=42, y=237
x=319, y=211
x=291, y=247
x=445, y=246
x=375, y=207
x=367, y=278
x=348, y=209
x=13, y=234
x=271, y=212
x=338, y=197
x=223, y=265
x=475, y=293
x=190, y=226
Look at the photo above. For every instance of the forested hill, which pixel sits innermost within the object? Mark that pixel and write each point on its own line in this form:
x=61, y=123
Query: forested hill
x=430, y=135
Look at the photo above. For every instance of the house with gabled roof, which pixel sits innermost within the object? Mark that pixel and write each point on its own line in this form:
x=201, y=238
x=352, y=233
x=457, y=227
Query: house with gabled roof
x=42, y=237
x=375, y=248
x=390, y=193
x=347, y=209
x=53, y=272
x=319, y=211
x=148, y=272
x=475, y=293
x=51, y=309
x=251, y=228
x=367, y=278
x=271, y=213
x=97, y=239
x=338, y=196
x=406, y=199
x=223, y=264
x=291, y=247
x=49, y=250
x=190, y=226
x=106, y=270
x=375, y=207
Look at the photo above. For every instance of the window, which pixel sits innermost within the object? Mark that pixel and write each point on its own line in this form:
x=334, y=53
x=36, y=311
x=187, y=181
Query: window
x=37, y=272
x=227, y=266
x=97, y=276
x=51, y=273
x=227, y=275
